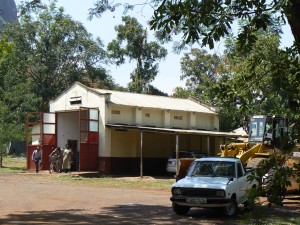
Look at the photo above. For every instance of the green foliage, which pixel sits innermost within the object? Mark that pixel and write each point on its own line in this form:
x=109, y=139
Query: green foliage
x=132, y=43
x=180, y=92
x=5, y=47
x=261, y=81
x=200, y=70
x=207, y=22
x=47, y=51
x=296, y=168
x=243, y=82
x=51, y=51
x=273, y=178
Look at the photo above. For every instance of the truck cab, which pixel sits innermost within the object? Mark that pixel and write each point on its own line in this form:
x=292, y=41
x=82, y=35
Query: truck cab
x=212, y=182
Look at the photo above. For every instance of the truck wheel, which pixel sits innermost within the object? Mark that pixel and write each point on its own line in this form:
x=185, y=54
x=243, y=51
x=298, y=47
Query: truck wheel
x=180, y=209
x=247, y=204
x=280, y=192
x=231, y=208
x=51, y=168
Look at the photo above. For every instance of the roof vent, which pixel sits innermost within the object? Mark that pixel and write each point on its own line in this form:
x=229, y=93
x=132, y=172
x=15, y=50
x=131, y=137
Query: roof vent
x=76, y=100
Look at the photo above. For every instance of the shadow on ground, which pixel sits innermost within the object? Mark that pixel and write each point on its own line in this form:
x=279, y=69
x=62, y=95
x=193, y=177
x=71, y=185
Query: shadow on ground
x=141, y=214
x=127, y=214
x=121, y=214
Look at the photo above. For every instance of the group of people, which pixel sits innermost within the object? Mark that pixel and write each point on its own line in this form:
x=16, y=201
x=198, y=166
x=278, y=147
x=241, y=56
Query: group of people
x=63, y=158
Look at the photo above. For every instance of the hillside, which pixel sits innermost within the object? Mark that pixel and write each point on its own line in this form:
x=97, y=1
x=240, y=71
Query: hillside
x=8, y=12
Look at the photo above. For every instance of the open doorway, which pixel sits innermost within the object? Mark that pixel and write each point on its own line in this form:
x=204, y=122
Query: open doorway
x=73, y=144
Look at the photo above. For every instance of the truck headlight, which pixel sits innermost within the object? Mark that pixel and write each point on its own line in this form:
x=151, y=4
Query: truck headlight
x=176, y=191
x=220, y=193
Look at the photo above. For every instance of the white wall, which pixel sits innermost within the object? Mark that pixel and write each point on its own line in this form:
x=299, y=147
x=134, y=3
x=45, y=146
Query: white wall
x=204, y=121
x=179, y=119
x=88, y=99
x=152, y=117
x=116, y=143
x=67, y=127
x=122, y=115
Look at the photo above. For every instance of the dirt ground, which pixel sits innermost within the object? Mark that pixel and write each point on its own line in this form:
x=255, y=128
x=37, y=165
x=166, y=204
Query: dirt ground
x=31, y=199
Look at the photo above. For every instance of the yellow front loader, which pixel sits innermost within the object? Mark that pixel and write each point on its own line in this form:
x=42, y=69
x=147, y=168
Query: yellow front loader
x=267, y=135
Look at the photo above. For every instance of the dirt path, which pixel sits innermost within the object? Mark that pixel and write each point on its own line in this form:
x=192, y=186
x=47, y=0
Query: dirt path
x=32, y=199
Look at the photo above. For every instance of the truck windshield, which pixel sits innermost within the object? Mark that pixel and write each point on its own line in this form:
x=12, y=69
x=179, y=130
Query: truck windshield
x=212, y=169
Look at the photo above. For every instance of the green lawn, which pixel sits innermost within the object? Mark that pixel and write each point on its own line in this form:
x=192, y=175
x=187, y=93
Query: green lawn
x=13, y=164
x=18, y=165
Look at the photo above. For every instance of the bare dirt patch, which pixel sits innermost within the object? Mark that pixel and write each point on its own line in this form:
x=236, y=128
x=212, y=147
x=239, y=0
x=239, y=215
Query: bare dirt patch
x=32, y=199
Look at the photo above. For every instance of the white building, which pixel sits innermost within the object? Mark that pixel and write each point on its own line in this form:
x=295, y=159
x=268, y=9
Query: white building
x=127, y=133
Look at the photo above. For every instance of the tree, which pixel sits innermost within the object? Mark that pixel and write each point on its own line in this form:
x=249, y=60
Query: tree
x=245, y=82
x=209, y=21
x=265, y=77
x=180, y=92
x=200, y=70
x=132, y=43
x=10, y=123
x=51, y=51
x=263, y=80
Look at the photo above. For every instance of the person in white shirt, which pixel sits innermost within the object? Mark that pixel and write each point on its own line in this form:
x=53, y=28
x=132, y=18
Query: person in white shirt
x=36, y=157
x=67, y=159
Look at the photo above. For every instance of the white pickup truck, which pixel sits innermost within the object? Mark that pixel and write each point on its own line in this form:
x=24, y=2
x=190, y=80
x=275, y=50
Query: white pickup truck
x=212, y=182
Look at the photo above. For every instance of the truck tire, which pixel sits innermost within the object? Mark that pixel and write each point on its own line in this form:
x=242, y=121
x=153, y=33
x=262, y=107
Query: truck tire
x=254, y=163
x=231, y=208
x=180, y=209
x=51, y=168
x=249, y=206
x=281, y=192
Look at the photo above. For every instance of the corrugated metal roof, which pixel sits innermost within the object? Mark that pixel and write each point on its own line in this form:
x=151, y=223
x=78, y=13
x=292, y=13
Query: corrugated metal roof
x=174, y=131
x=154, y=101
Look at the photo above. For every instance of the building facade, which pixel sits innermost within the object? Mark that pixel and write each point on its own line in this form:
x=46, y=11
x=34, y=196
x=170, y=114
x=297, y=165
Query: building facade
x=129, y=134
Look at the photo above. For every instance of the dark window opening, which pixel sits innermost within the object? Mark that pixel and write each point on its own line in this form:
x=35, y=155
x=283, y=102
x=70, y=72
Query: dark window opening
x=75, y=100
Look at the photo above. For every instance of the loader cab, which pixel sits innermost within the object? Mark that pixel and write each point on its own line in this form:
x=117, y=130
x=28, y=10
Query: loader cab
x=270, y=130
x=257, y=128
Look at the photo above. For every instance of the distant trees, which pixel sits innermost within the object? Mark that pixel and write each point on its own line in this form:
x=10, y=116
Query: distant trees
x=50, y=52
x=262, y=80
x=40, y=56
x=254, y=74
x=46, y=51
x=132, y=43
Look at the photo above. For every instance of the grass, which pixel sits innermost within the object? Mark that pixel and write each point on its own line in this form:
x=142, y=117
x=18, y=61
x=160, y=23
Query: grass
x=12, y=165
x=117, y=182
x=270, y=216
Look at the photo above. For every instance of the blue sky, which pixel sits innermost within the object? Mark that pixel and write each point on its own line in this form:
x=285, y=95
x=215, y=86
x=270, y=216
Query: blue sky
x=169, y=69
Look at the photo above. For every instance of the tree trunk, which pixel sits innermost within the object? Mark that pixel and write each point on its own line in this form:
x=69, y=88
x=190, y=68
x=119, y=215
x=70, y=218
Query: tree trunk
x=293, y=18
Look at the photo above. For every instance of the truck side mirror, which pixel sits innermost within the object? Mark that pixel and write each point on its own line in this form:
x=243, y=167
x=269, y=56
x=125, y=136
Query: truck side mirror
x=229, y=179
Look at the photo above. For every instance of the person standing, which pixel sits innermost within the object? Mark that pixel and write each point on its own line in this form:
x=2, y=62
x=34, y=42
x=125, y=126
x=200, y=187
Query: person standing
x=36, y=157
x=57, y=154
x=67, y=159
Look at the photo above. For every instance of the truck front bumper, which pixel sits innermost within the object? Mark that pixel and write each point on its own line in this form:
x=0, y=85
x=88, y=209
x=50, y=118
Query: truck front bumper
x=196, y=202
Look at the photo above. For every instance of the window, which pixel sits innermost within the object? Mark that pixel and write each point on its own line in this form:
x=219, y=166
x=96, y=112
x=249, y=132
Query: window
x=239, y=170
x=257, y=127
x=75, y=100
